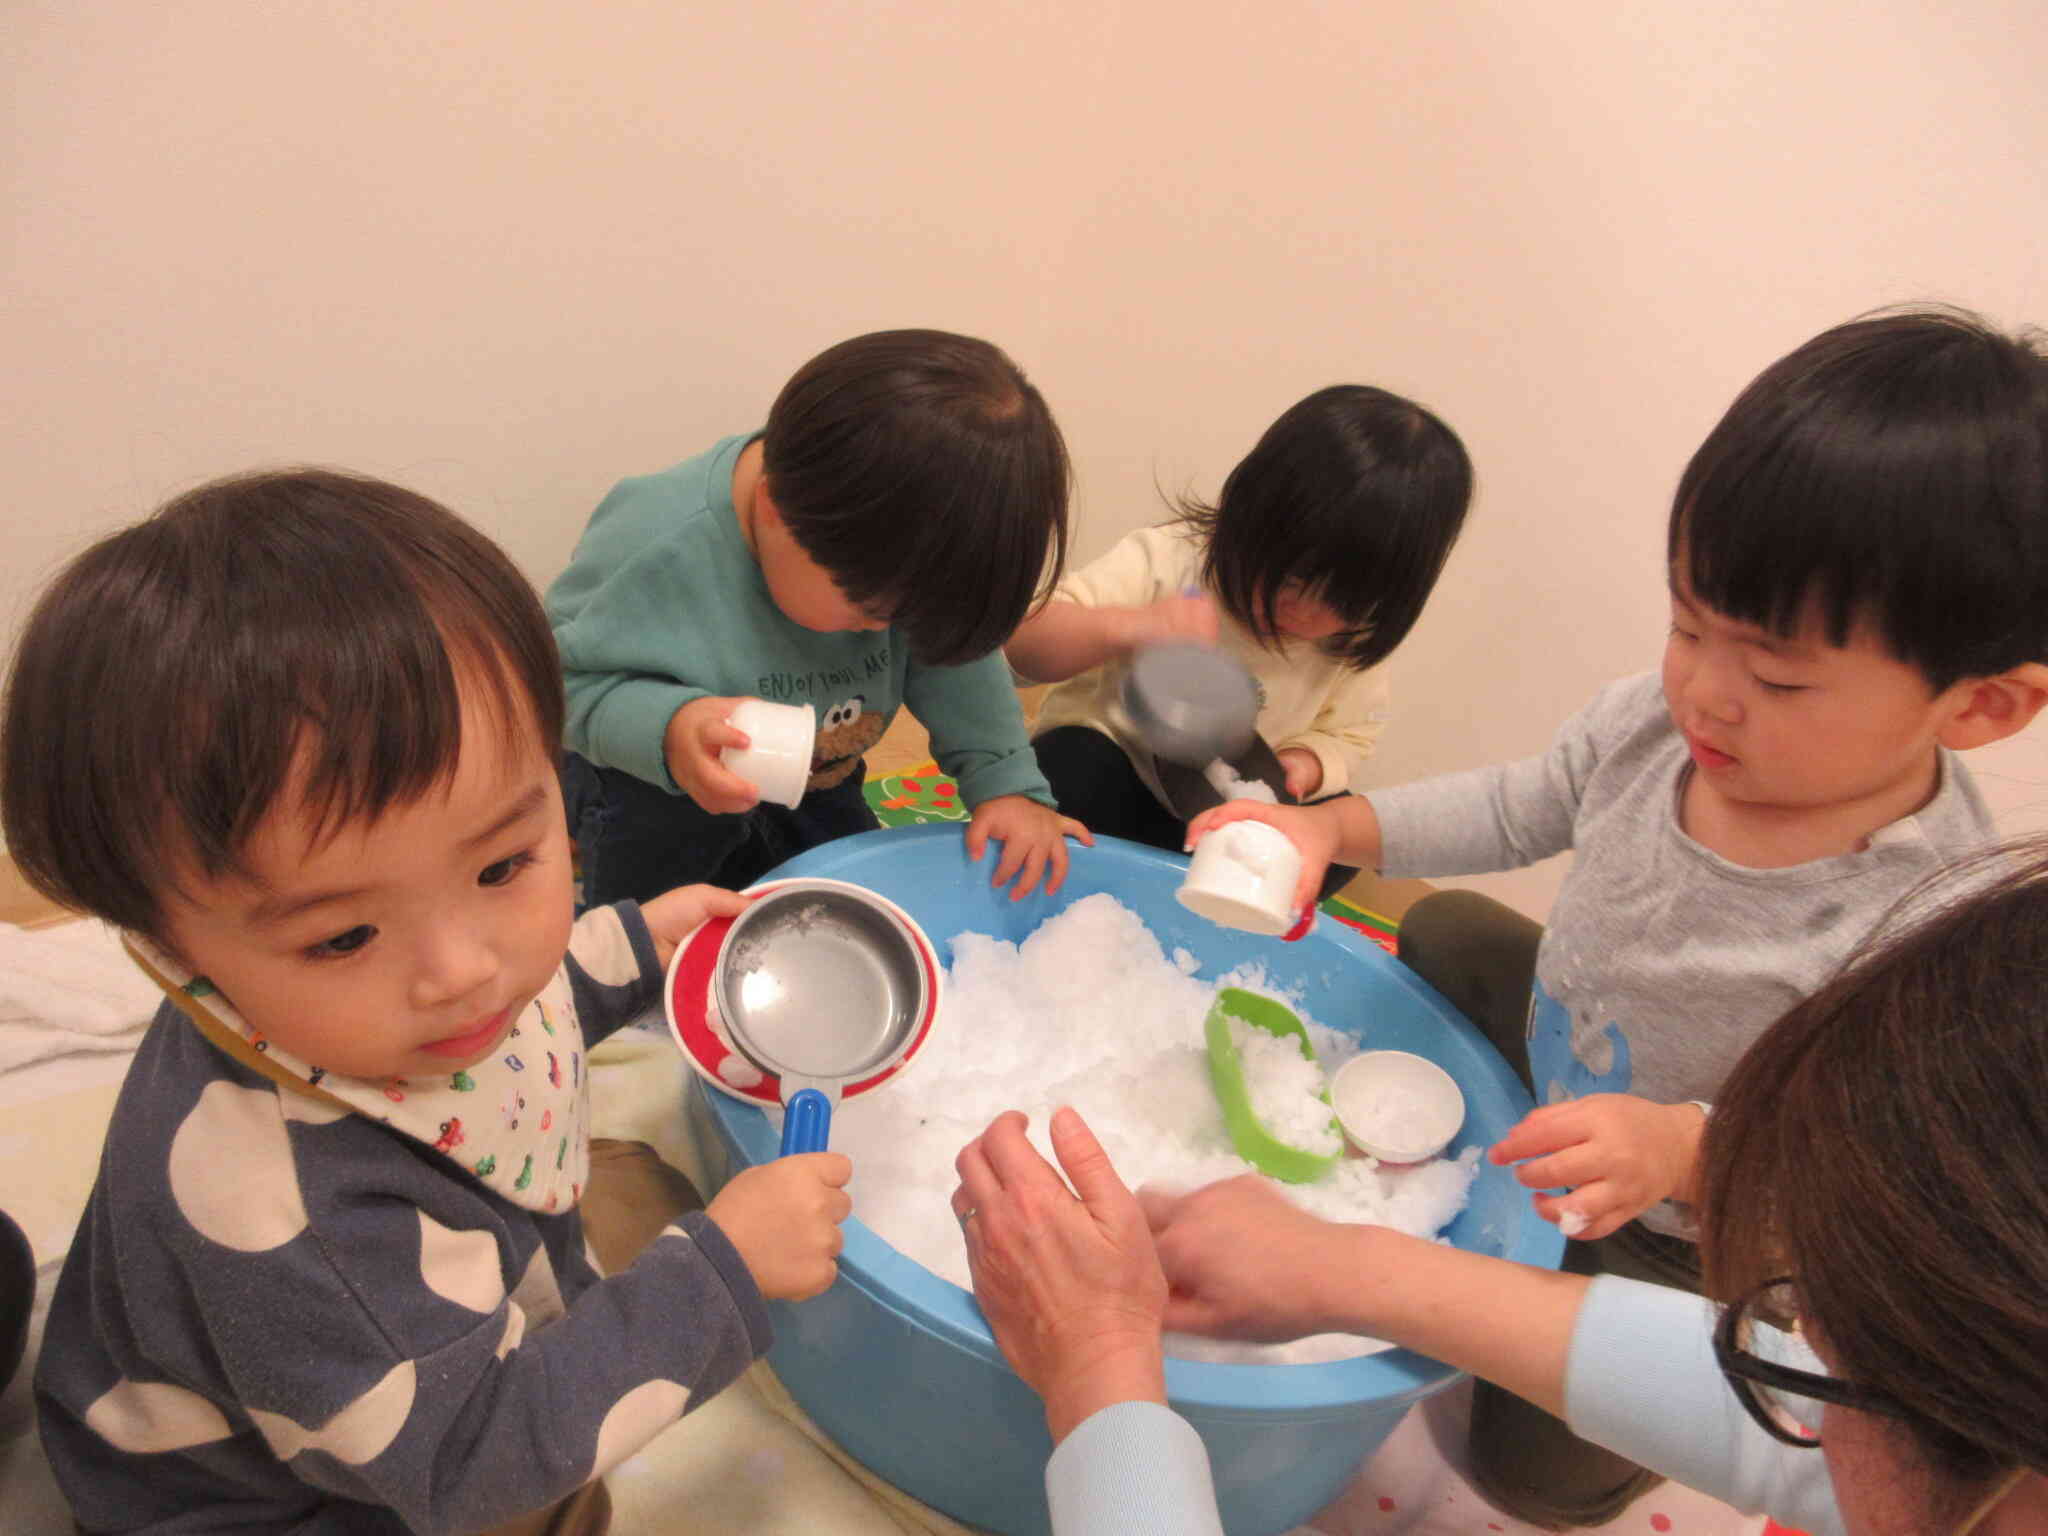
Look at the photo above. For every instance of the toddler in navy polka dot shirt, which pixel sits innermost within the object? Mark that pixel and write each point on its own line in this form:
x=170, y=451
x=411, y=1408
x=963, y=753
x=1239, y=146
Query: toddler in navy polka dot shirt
x=334, y=1274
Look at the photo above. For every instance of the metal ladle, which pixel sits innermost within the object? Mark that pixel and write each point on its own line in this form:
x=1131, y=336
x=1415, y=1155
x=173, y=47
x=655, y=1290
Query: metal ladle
x=1191, y=704
x=821, y=987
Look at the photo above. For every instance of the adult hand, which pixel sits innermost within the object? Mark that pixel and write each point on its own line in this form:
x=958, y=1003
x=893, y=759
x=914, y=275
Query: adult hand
x=696, y=734
x=674, y=915
x=1245, y=1262
x=1617, y=1154
x=1313, y=829
x=1034, y=840
x=1070, y=1286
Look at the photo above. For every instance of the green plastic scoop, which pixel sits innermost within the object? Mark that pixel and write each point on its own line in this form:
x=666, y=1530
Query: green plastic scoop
x=1254, y=1144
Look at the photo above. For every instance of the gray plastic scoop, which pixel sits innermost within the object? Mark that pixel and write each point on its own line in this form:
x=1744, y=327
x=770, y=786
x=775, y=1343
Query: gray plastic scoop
x=1191, y=704
x=821, y=987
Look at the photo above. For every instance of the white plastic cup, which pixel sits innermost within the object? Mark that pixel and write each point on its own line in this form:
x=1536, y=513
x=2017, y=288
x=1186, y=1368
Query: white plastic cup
x=777, y=761
x=1397, y=1107
x=1242, y=875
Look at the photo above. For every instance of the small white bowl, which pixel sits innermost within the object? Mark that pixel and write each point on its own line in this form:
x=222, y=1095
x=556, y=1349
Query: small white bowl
x=777, y=760
x=1242, y=875
x=1397, y=1107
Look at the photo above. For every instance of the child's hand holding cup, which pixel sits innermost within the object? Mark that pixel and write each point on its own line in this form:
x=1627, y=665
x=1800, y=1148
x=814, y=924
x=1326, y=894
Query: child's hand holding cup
x=1257, y=866
x=1243, y=875
x=777, y=757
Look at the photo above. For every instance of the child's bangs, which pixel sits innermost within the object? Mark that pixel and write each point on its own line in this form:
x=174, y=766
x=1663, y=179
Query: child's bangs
x=1772, y=548
x=962, y=589
x=368, y=742
x=955, y=559
x=1845, y=536
x=1891, y=471
x=333, y=672
x=333, y=724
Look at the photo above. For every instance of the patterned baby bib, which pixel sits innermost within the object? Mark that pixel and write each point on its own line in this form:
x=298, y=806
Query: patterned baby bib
x=518, y=1121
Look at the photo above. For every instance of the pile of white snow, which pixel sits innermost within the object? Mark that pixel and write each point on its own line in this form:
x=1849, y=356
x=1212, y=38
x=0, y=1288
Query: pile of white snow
x=1089, y=1011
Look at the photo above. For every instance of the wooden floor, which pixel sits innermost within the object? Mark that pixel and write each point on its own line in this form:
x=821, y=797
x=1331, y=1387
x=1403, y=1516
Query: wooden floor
x=903, y=745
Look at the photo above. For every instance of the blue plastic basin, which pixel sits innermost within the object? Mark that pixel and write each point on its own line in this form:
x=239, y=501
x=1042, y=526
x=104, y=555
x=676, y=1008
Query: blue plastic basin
x=898, y=1367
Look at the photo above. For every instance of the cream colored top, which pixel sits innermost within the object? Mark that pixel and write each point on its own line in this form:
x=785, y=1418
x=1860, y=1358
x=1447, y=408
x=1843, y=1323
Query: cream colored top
x=1306, y=698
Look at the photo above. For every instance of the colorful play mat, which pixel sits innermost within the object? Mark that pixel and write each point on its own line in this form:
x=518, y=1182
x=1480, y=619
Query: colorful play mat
x=922, y=794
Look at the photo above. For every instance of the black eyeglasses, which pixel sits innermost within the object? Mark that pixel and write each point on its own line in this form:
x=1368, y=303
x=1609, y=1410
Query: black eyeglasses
x=1750, y=1374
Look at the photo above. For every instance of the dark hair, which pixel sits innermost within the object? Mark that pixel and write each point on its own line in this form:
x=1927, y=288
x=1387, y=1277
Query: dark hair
x=1883, y=1143
x=1893, y=469
x=924, y=473
x=1355, y=496
x=177, y=677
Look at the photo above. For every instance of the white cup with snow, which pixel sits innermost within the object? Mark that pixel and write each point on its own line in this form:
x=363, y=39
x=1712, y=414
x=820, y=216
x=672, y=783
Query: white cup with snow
x=1396, y=1106
x=1242, y=875
x=777, y=759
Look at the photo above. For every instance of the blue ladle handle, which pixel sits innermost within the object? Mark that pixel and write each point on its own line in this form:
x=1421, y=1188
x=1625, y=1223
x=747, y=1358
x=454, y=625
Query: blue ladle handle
x=806, y=1122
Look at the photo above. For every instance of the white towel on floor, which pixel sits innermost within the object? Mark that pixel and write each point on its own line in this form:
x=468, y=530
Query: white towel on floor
x=68, y=990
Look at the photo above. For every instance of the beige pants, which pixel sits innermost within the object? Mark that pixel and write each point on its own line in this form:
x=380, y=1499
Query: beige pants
x=631, y=1197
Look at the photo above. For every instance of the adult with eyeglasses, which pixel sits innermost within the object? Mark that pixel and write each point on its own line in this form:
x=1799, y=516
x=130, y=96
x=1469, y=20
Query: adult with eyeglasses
x=1874, y=1215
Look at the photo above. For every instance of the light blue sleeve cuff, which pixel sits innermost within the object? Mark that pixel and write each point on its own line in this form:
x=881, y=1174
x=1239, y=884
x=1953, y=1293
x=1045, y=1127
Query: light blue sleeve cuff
x=1132, y=1469
x=1641, y=1379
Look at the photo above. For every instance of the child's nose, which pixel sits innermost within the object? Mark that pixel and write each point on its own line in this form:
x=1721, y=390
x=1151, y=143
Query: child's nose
x=1711, y=690
x=453, y=964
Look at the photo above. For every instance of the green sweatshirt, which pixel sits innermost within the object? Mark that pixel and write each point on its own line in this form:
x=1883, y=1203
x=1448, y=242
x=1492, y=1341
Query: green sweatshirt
x=663, y=603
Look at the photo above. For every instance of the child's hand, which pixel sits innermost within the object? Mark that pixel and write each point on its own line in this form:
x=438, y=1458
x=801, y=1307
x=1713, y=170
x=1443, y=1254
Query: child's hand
x=1033, y=838
x=1191, y=617
x=674, y=915
x=696, y=734
x=1617, y=1154
x=1311, y=828
x=1304, y=771
x=784, y=1217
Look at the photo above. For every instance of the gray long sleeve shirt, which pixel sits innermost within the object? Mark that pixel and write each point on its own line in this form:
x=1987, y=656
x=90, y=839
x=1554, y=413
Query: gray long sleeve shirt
x=1661, y=960
x=284, y=1315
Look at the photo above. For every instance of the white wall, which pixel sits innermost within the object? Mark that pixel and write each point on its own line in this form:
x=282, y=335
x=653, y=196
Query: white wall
x=507, y=251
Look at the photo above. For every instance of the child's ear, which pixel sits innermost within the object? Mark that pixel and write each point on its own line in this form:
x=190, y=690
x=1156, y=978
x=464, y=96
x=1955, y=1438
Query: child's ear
x=1993, y=708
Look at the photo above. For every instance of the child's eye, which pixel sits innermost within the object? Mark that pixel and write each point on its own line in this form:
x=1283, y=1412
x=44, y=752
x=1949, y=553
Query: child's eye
x=1771, y=687
x=1680, y=632
x=342, y=943
x=504, y=871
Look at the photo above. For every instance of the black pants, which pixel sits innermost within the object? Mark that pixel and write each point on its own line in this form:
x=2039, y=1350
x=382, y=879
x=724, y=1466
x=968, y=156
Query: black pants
x=1095, y=784
x=1482, y=957
x=635, y=840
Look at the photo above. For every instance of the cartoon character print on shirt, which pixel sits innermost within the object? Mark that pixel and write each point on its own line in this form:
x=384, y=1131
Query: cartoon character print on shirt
x=1570, y=1058
x=845, y=731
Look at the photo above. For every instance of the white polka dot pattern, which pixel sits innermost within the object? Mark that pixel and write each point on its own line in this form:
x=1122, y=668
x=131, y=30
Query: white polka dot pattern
x=636, y=1419
x=345, y=1280
x=538, y=1292
x=149, y=1417
x=357, y=1434
x=601, y=947
x=231, y=1170
x=461, y=1267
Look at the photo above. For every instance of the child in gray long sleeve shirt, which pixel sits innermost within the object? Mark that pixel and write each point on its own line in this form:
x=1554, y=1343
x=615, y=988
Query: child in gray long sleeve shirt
x=1858, y=566
x=333, y=1275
